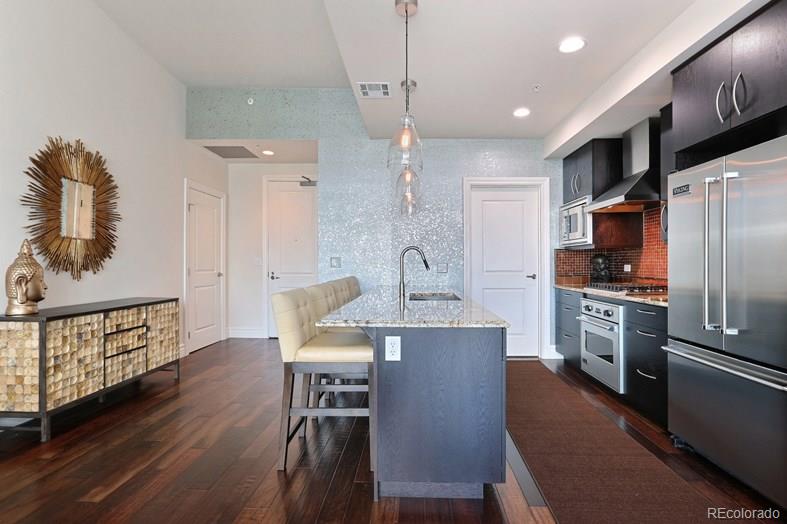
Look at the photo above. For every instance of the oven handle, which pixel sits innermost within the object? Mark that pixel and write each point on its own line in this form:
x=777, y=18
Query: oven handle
x=583, y=318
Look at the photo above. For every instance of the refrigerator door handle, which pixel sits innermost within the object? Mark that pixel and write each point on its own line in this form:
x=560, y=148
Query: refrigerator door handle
x=725, y=369
x=706, y=325
x=725, y=328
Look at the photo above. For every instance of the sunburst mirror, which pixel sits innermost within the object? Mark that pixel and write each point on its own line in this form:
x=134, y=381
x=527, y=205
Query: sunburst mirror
x=73, y=207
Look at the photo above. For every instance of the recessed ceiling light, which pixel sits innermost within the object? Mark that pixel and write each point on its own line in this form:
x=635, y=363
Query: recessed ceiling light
x=571, y=44
x=268, y=152
x=521, y=112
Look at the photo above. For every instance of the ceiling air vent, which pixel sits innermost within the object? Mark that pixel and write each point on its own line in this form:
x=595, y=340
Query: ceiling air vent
x=374, y=89
x=231, y=152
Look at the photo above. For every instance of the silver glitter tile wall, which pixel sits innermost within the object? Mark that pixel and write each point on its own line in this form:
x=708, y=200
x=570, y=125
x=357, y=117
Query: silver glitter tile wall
x=358, y=218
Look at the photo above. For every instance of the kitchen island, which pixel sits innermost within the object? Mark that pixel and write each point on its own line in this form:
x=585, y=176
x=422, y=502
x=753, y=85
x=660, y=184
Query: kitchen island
x=438, y=390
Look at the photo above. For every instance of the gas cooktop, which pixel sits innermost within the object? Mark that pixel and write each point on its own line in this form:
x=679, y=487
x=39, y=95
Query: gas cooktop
x=627, y=288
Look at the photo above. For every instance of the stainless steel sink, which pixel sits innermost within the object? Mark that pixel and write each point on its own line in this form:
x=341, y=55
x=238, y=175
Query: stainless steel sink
x=434, y=296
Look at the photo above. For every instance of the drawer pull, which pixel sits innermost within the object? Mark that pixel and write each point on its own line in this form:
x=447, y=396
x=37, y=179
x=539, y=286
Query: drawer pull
x=567, y=295
x=645, y=334
x=651, y=377
x=567, y=308
x=567, y=336
x=646, y=312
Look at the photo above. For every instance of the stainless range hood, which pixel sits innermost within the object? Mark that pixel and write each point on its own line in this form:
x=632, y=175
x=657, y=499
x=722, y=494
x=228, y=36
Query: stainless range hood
x=639, y=188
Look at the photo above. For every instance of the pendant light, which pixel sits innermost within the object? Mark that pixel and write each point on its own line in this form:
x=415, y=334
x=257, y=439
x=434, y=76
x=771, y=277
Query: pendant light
x=405, y=159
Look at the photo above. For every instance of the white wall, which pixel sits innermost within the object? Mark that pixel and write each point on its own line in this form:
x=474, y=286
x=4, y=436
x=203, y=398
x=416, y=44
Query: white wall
x=244, y=247
x=66, y=69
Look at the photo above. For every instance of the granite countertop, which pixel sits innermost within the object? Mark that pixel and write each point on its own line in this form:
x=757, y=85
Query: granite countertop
x=651, y=300
x=379, y=307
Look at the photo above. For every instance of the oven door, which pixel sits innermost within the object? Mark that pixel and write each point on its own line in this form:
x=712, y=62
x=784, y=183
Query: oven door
x=602, y=352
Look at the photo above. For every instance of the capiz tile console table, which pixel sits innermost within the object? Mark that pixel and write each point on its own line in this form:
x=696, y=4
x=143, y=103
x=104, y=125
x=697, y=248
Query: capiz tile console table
x=65, y=355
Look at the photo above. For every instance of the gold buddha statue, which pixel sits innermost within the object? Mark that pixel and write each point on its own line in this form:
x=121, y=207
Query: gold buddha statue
x=24, y=283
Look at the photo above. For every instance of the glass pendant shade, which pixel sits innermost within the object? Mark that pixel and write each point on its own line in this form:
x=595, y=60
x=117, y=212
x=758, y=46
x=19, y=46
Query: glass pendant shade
x=408, y=182
x=405, y=147
x=408, y=207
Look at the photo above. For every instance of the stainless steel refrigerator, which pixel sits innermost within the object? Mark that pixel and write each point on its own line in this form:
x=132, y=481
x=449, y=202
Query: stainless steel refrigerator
x=727, y=349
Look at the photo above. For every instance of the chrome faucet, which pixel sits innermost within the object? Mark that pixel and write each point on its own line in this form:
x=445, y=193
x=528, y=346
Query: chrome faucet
x=402, y=296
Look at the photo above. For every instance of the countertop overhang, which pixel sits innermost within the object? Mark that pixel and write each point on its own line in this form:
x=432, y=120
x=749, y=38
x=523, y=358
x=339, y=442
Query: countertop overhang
x=379, y=307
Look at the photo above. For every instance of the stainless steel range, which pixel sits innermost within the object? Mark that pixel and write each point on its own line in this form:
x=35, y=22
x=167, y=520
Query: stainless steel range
x=626, y=288
x=601, y=347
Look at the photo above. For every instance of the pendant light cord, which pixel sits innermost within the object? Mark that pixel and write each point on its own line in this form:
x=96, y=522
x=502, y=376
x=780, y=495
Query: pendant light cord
x=406, y=60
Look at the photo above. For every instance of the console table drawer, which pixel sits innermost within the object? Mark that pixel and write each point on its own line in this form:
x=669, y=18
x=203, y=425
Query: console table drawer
x=123, y=341
x=120, y=319
x=125, y=366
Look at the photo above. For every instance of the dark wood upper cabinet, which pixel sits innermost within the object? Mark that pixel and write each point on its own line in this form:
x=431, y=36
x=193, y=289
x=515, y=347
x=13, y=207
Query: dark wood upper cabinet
x=569, y=175
x=667, y=164
x=696, y=88
x=737, y=80
x=759, y=64
x=592, y=169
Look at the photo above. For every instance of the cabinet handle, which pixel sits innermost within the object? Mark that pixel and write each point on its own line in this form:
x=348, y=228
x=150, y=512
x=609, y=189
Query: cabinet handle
x=718, y=111
x=646, y=312
x=566, y=308
x=579, y=181
x=645, y=334
x=734, y=91
x=566, y=294
x=661, y=218
x=567, y=336
x=576, y=184
x=651, y=377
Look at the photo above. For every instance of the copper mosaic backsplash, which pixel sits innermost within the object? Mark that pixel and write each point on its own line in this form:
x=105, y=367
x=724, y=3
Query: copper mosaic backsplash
x=647, y=263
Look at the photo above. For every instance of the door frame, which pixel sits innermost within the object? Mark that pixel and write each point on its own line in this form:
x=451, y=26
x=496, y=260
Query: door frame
x=189, y=184
x=266, y=181
x=545, y=349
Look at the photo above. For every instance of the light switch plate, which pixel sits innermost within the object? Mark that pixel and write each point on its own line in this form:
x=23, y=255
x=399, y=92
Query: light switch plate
x=442, y=268
x=393, y=349
x=627, y=268
x=336, y=262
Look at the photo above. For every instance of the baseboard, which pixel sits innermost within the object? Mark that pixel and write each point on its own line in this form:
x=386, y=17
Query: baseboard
x=550, y=352
x=243, y=332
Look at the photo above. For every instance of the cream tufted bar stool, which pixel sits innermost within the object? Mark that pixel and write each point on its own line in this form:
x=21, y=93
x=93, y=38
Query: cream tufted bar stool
x=309, y=351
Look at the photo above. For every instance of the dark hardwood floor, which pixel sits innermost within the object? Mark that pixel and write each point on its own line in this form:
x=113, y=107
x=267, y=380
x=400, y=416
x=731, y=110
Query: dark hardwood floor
x=709, y=480
x=205, y=451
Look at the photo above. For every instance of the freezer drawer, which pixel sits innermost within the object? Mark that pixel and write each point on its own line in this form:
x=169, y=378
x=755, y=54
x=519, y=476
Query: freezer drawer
x=738, y=421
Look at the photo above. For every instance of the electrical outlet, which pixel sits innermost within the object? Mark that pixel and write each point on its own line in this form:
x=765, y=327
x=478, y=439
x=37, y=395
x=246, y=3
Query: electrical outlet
x=393, y=349
x=442, y=268
x=627, y=268
x=336, y=262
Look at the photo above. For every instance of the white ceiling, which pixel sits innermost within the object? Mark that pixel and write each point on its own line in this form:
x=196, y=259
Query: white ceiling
x=476, y=61
x=285, y=151
x=261, y=43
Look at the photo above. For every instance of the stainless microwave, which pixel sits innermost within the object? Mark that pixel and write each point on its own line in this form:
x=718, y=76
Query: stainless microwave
x=576, y=224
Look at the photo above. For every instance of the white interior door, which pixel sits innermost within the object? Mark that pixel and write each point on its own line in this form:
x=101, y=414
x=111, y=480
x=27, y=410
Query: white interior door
x=292, y=239
x=504, y=260
x=204, y=269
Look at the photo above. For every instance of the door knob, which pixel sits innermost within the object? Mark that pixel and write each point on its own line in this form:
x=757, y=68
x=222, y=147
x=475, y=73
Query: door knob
x=219, y=274
x=533, y=276
x=273, y=276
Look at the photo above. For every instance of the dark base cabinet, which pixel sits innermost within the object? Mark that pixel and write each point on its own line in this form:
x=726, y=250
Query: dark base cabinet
x=646, y=371
x=567, y=325
x=568, y=346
